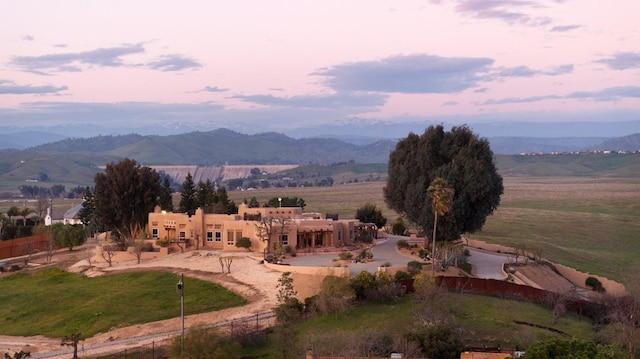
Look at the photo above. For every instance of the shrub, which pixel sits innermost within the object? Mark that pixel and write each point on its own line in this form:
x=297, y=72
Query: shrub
x=345, y=255
x=364, y=254
x=594, y=284
x=398, y=228
x=243, y=242
x=466, y=267
x=14, y=268
x=147, y=247
x=402, y=275
x=402, y=243
x=162, y=242
x=414, y=267
x=366, y=238
x=288, y=249
x=386, y=264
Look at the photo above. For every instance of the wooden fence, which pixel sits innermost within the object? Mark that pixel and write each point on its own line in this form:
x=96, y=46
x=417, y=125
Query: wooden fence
x=24, y=246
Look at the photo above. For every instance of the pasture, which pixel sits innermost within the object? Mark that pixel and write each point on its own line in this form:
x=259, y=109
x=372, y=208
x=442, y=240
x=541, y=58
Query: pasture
x=590, y=224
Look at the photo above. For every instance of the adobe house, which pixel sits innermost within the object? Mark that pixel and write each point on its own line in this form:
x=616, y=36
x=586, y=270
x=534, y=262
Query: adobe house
x=289, y=226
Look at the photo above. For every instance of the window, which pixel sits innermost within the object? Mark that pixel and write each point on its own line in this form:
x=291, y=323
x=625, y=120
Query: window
x=154, y=233
x=209, y=236
x=284, y=239
x=238, y=235
x=218, y=236
x=182, y=235
x=230, y=240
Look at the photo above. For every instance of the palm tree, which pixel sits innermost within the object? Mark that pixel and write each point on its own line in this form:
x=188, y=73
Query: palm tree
x=24, y=214
x=441, y=195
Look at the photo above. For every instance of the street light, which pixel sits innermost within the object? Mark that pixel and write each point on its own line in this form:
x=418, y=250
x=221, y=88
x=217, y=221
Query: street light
x=279, y=201
x=180, y=287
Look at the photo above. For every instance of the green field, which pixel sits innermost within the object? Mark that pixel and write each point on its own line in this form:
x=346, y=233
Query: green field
x=54, y=303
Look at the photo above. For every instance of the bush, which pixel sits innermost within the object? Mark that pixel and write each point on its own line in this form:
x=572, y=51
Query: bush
x=288, y=249
x=402, y=275
x=386, y=264
x=243, y=242
x=345, y=255
x=162, y=242
x=398, y=229
x=414, y=267
x=364, y=254
x=402, y=243
x=466, y=267
x=147, y=247
x=366, y=238
x=14, y=268
x=594, y=284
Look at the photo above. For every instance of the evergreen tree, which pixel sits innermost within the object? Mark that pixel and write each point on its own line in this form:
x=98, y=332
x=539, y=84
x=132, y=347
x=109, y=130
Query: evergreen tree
x=86, y=213
x=461, y=159
x=188, y=200
x=124, y=196
x=370, y=214
x=166, y=197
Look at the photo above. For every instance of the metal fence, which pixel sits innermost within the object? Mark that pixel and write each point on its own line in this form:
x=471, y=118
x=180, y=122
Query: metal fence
x=247, y=330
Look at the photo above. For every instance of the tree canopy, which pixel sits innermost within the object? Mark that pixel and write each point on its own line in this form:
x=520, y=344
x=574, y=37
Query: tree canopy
x=124, y=196
x=461, y=159
x=285, y=202
x=370, y=214
x=65, y=235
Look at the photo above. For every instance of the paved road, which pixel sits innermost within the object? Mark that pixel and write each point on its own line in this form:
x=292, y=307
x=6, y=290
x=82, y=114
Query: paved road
x=384, y=251
x=487, y=265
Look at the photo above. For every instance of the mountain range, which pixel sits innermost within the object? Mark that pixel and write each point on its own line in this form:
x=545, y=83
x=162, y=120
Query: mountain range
x=507, y=137
x=75, y=161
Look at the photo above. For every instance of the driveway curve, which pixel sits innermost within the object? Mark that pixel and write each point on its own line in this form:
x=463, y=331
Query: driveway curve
x=487, y=265
x=384, y=251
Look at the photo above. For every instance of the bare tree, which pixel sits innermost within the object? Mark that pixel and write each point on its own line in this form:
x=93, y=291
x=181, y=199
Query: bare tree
x=336, y=295
x=264, y=229
x=623, y=313
x=72, y=341
x=108, y=251
x=50, y=248
x=18, y=355
x=41, y=207
x=227, y=263
x=137, y=246
x=435, y=306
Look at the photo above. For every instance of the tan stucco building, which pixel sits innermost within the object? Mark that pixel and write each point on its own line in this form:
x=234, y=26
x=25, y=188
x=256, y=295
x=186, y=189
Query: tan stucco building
x=289, y=226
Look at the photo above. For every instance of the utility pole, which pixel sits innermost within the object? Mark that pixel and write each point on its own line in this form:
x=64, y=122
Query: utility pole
x=180, y=287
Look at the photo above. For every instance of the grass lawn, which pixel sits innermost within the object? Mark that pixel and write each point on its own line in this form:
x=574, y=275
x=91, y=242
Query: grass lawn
x=55, y=303
x=482, y=321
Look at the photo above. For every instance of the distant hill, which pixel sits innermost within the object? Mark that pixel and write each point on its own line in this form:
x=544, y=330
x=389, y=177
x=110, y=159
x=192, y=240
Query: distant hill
x=569, y=165
x=626, y=143
x=223, y=146
x=518, y=145
x=26, y=139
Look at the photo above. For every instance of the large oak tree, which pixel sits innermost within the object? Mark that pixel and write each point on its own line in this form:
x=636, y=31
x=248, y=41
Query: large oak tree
x=461, y=159
x=124, y=196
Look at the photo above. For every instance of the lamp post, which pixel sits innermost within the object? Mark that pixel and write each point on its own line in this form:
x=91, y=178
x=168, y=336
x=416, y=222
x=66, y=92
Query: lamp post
x=180, y=287
x=279, y=201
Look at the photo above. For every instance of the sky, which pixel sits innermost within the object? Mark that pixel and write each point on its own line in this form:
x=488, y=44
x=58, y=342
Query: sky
x=273, y=65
